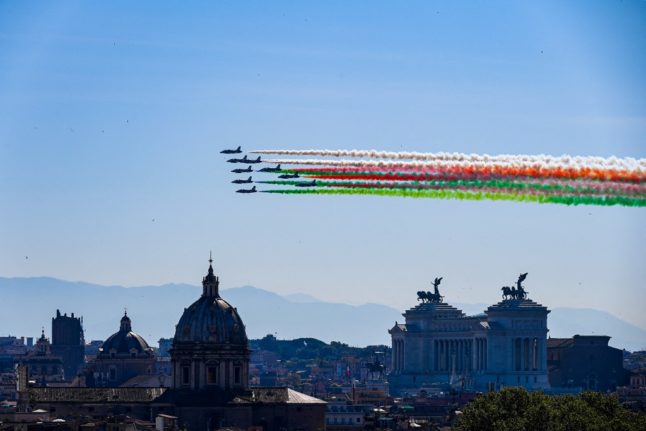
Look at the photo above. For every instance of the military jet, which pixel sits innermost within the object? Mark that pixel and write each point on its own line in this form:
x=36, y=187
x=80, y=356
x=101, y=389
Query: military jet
x=242, y=171
x=236, y=160
x=276, y=169
x=247, y=181
x=288, y=176
x=251, y=190
x=244, y=160
x=236, y=151
x=306, y=184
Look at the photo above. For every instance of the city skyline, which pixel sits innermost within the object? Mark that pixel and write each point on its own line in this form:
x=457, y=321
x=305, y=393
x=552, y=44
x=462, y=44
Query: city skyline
x=112, y=118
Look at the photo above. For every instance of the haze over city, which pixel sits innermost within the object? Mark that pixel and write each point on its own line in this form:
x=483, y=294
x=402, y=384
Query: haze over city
x=112, y=117
x=332, y=215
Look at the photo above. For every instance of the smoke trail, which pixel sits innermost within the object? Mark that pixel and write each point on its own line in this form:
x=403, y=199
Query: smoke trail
x=457, y=163
x=493, y=185
x=510, y=170
x=397, y=176
x=465, y=195
x=627, y=163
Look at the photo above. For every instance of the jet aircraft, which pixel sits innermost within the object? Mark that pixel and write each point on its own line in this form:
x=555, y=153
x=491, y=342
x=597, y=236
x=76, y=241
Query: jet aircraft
x=242, y=171
x=247, y=181
x=306, y=184
x=288, y=176
x=244, y=160
x=236, y=151
x=251, y=190
x=276, y=169
x=236, y=160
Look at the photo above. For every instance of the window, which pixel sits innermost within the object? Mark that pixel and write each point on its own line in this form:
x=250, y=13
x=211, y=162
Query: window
x=211, y=375
x=113, y=374
x=236, y=375
x=186, y=375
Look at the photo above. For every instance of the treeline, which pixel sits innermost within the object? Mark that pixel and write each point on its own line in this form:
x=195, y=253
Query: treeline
x=516, y=409
x=311, y=348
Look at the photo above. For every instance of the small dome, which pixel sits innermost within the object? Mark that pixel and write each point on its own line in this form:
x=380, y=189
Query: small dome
x=210, y=319
x=125, y=342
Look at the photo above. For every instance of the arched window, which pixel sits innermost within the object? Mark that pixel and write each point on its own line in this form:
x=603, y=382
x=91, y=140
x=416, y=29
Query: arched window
x=186, y=375
x=211, y=375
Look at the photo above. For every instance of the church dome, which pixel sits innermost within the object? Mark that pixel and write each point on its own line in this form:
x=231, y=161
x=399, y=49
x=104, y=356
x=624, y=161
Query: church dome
x=210, y=319
x=125, y=342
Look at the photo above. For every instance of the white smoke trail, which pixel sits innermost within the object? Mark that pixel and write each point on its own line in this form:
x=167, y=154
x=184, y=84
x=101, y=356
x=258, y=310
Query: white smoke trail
x=627, y=163
x=510, y=163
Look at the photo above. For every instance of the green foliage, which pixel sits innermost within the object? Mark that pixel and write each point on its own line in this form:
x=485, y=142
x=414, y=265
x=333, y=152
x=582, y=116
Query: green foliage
x=313, y=349
x=516, y=409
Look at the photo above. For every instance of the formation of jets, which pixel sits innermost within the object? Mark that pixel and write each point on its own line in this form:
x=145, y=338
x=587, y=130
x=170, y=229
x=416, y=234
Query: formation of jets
x=249, y=180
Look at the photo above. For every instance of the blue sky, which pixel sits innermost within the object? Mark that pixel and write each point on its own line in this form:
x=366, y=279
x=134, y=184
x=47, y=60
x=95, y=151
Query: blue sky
x=113, y=114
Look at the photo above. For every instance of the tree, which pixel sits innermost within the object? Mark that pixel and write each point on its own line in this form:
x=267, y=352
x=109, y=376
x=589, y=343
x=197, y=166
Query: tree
x=517, y=409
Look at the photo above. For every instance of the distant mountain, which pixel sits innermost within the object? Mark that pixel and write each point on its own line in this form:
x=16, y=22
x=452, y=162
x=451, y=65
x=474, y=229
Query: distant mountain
x=27, y=304
x=565, y=322
x=30, y=303
x=300, y=298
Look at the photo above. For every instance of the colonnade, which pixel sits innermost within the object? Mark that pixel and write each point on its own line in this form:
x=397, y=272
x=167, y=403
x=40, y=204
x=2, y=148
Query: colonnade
x=459, y=355
x=398, y=355
x=481, y=354
x=527, y=353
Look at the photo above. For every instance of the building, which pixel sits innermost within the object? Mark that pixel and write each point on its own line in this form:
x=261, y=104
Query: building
x=68, y=342
x=10, y=348
x=43, y=367
x=633, y=396
x=586, y=362
x=209, y=386
x=343, y=414
x=210, y=344
x=124, y=355
x=439, y=345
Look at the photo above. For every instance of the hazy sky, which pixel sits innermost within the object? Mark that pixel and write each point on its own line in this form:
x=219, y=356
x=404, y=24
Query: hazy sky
x=112, y=115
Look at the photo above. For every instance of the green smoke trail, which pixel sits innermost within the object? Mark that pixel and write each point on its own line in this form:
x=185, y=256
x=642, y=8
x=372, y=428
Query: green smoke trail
x=449, y=184
x=476, y=196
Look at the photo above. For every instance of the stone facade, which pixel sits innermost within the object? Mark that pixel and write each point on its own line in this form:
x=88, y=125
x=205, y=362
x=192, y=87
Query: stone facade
x=68, y=342
x=43, y=367
x=210, y=349
x=124, y=355
x=586, y=362
x=438, y=345
x=210, y=379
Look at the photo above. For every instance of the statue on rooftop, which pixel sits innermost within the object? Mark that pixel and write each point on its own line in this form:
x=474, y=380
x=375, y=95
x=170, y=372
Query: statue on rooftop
x=517, y=292
x=431, y=297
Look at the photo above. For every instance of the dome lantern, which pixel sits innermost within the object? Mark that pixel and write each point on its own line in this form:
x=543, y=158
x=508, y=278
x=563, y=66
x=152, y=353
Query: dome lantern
x=126, y=325
x=210, y=283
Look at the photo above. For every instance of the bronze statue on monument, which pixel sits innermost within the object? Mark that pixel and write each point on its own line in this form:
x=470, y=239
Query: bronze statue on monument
x=518, y=292
x=431, y=297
